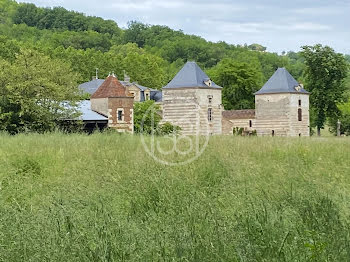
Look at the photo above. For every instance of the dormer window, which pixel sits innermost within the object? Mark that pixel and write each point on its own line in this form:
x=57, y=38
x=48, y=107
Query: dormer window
x=298, y=88
x=208, y=82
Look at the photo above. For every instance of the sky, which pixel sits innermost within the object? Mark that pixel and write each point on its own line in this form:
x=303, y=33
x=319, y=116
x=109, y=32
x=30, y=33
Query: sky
x=279, y=25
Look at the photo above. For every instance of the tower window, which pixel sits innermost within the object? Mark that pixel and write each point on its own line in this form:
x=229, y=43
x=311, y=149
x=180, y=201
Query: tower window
x=300, y=114
x=299, y=102
x=210, y=114
x=120, y=115
x=210, y=100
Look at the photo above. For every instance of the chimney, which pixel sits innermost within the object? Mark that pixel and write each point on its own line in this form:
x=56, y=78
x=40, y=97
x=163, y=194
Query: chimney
x=126, y=77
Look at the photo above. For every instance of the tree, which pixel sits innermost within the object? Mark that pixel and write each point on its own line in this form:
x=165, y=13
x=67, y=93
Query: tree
x=325, y=74
x=257, y=47
x=146, y=117
x=32, y=92
x=239, y=82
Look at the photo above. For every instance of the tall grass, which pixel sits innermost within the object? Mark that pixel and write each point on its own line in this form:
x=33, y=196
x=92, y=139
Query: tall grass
x=102, y=198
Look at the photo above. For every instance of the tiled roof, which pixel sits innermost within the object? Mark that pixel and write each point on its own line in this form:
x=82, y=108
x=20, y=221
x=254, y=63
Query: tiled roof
x=281, y=82
x=91, y=86
x=191, y=75
x=239, y=114
x=111, y=87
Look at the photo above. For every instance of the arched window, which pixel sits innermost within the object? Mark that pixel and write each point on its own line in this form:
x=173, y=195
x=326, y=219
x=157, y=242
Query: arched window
x=300, y=114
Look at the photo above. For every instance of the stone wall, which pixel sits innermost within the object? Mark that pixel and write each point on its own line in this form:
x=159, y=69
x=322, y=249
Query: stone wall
x=132, y=89
x=229, y=124
x=278, y=114
x=100, y=105
x=188, y=108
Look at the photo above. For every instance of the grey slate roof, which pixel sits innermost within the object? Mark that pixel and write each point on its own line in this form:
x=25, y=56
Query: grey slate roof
x=281, y=82
x=91, y=86
x=157, y=95
x=191, y=75
x=87, y=114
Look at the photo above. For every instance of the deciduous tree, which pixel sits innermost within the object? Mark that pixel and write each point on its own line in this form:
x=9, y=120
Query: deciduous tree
x=325, y=74
x=32, y=90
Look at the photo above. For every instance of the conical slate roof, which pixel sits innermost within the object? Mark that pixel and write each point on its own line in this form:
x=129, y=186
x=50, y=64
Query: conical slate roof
x=281, y=82
x=191, y=75
x=111, y=87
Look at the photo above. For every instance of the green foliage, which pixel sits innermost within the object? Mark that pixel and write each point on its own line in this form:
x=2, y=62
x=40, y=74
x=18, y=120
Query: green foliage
x=325, y=74
x=168, y=129
x=239, y=82
x=7, y=10
x=146, y=117
x=257, y=47
x=237, y=131
x=32, y=90
x=344, y=118
x=62, y=19
x=102, y=198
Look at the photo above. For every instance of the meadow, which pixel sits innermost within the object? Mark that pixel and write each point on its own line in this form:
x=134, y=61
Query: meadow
x=103, y=198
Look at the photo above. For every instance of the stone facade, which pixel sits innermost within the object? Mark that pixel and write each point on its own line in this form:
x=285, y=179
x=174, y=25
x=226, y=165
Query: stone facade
x=279, y=114
x=195, y=110
x=244, y=119
x=100, y=105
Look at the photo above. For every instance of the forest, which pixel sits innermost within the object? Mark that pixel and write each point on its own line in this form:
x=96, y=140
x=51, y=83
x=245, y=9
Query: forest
x=71, y=42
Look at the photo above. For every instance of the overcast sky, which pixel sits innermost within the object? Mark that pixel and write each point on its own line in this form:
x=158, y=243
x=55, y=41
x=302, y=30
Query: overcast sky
x=279, y=25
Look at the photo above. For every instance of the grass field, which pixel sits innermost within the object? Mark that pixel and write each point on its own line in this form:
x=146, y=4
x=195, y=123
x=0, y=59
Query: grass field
x=102, y=198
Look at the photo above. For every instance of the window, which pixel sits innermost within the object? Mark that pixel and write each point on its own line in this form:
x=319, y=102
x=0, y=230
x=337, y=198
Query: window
x=133, y=94
x=210, y=99
x=300, y=115
x=250, y=123
x=147, y=96
x=273, y=132
x=120, y=115
x=210, y=114
x=299, y=102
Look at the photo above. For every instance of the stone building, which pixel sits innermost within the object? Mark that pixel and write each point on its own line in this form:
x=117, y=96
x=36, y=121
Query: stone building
x=112, y=100
x=193, y=102
x=281, y=109
x=244, y=119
